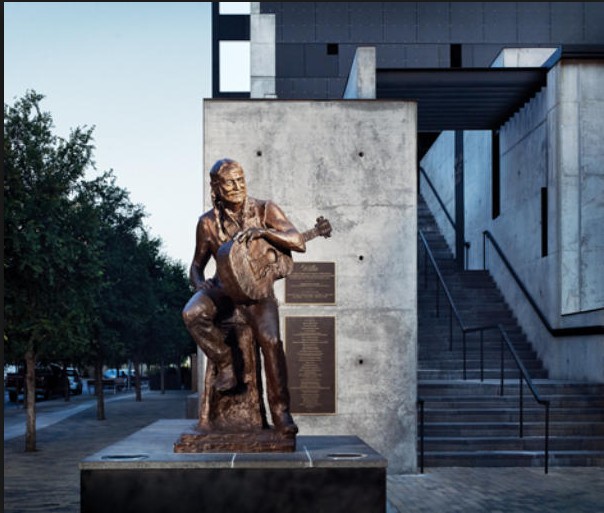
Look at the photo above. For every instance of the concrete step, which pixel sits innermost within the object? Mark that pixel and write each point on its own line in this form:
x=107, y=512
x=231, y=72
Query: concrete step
x=511, y=414
x=513, y=459
x=526, y=443
x=509, y=373
x=497, y=429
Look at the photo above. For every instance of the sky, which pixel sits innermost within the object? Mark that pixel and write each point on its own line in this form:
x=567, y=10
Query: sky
x=138, y=73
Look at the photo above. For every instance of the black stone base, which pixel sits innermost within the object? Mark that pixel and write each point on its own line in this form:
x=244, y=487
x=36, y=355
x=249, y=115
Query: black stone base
x=141, y=474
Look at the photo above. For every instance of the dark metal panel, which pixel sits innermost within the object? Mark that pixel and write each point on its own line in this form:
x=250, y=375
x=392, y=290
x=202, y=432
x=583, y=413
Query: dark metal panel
x=318, y=63
x=567, y=22
x=423, y=56
x=283, y=88
x=290, y=60
x=336, y=88
x=466, y=22
x=500, y=22
x=310, y=88
x=433, y=22
x=270, y=7
x=366, y=22
x=533, y=22
x=480, y=56
x=333, y=25
x=391, y=56
x=400, y=22
x=298, y=22
x=594, y=22
x=234, y=27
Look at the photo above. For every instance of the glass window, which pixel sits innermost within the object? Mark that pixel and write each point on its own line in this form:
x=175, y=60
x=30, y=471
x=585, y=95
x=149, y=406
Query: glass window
x=234, y=66
x=234, y=7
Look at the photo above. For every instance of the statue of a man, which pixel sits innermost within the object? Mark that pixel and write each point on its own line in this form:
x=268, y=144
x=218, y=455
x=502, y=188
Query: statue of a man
x=236, y=215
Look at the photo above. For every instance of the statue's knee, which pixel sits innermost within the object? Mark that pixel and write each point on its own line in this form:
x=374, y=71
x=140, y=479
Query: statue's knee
x=200, y=311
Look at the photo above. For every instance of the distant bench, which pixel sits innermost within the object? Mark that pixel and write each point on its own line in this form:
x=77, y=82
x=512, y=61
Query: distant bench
x=108, y=384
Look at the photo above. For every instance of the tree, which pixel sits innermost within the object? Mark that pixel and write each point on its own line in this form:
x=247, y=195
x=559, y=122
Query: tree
x=46, y=258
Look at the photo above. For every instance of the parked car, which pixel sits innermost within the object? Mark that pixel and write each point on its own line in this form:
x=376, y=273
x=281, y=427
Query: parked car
x=75, y=381
x=49, y=381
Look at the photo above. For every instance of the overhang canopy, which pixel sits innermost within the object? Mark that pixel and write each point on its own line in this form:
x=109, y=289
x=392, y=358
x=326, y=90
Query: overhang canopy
x=463, y=98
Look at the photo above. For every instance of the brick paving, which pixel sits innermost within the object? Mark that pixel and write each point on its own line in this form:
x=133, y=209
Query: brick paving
x=48, y=481
x=499, y=490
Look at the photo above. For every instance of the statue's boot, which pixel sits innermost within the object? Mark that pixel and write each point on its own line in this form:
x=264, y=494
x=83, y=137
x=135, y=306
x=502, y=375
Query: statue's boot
x=277, y=391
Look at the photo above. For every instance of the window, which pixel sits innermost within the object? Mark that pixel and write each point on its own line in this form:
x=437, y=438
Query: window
x=235, y=66
x=234, y=7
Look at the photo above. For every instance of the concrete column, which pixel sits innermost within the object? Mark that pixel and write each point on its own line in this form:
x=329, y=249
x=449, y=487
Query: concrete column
x=262, y=58
x=361, y=79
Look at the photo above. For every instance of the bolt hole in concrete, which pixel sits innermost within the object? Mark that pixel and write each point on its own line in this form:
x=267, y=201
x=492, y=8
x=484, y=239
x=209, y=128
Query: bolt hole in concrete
x=361, y=361
x=361, y=154
x=361, y=258
x=259, y=153
x=125, y=457
x=346, y=456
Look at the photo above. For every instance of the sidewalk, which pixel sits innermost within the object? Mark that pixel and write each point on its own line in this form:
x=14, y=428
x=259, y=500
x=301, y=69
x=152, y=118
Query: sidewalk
x=48, y=481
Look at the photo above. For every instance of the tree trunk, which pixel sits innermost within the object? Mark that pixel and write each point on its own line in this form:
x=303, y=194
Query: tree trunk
x=30, y=401
x=162, y=377
x=98, y=389
x=65, y=382
x=139, y=395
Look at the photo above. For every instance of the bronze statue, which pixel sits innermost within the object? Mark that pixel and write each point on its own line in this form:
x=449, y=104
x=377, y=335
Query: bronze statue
x=251, y=241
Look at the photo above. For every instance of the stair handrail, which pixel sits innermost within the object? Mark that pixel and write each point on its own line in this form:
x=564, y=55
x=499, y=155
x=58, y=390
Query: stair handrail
x=437, y=196
x=556, y=332
x=506, y=342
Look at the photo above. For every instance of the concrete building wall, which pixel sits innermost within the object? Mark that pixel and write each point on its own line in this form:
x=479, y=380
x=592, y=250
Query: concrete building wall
x=355, y=163
x=552, y=143
x=439, y=165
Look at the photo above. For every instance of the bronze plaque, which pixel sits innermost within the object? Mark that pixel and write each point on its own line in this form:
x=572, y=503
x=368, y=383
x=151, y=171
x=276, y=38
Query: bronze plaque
x=311, y=283
x=311, y=363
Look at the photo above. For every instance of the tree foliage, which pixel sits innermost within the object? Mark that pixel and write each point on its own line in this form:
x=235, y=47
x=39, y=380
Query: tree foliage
x=84, y=281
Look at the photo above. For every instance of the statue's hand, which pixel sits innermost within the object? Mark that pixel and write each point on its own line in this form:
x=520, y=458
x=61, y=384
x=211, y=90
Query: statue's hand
x=205, y=285
x=249, y=235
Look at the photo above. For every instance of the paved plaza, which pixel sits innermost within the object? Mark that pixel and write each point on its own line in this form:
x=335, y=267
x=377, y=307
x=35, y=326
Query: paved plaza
x=48, y=481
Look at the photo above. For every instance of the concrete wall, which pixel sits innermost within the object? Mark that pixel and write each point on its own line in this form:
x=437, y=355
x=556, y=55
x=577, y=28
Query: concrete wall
x=354, y=163
x=439, y=164
x=553, y=142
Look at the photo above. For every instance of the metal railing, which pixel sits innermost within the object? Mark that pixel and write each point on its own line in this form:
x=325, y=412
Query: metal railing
x=505, y=343
x=466, y=244
x=556, y=332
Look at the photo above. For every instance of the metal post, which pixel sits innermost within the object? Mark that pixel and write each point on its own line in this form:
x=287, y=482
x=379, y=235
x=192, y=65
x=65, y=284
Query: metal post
x=481, y=355
x=463, y=342
x=437, y=294
x=546, y=437
x=521, y=417
x=450, y=328
x=501, y=387
x=421, y=435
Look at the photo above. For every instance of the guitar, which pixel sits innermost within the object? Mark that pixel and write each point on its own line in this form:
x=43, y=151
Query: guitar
x=248, y=271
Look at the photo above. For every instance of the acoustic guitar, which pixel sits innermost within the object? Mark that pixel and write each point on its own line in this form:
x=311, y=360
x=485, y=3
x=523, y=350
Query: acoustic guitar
x=248, y=270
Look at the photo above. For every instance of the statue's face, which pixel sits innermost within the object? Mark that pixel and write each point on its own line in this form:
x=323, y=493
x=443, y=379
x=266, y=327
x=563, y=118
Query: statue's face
x=231, y=186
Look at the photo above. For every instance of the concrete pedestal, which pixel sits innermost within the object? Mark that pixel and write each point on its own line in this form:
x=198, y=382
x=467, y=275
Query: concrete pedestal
x=142, y=473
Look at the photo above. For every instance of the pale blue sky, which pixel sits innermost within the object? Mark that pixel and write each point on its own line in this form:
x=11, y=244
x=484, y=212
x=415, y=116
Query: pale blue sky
x=139, y=73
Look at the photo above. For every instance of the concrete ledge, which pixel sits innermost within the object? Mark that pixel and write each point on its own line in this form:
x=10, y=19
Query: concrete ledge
x=142, y=473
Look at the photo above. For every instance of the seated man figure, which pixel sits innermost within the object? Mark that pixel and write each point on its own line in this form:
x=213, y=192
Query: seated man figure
x=236, y=215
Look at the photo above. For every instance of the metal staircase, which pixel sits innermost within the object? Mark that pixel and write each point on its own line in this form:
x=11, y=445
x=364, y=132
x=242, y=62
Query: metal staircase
x=466, y=421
